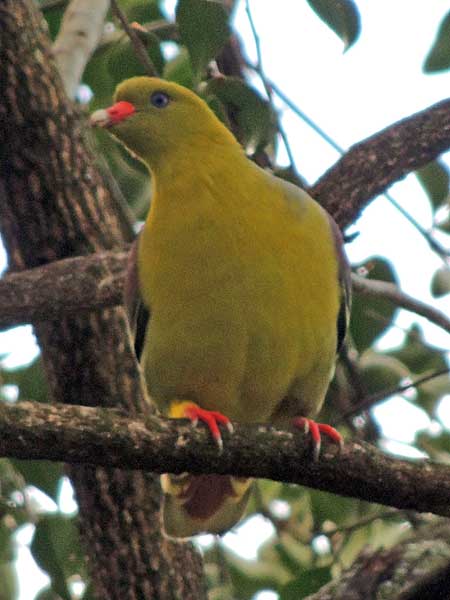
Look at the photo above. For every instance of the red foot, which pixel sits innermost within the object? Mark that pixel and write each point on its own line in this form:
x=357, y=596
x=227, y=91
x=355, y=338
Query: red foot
x=212, y=419
x=308, y=425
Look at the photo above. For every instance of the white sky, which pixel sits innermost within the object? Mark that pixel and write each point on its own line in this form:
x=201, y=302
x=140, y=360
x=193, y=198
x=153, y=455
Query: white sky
x=350, y=96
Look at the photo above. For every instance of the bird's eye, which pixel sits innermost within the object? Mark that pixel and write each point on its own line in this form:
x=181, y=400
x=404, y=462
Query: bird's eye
x=159, y=99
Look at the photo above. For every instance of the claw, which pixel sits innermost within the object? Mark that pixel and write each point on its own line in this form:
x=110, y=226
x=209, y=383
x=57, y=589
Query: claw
x=211, y=418
x=316, y=429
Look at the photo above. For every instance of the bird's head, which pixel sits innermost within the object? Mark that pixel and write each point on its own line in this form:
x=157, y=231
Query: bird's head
x=158, y=120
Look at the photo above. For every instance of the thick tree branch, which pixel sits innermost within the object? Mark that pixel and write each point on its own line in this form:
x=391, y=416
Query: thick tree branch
x=62, y=288
x=107, y=437
x=372, y=165
x=93, y=282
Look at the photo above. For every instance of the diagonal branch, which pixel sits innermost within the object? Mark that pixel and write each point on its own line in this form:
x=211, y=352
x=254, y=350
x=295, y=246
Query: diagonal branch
x=389, y=291
x=135, y=40
x=374, y=164
x=108, y=437
x=96, y=281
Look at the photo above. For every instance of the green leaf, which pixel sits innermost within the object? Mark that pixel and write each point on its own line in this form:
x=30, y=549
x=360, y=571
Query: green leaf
x=56, y=549
x=438, y=58
x=124, y=63
x=440, y=283
x=141, y=11
x=341, y=16
x=43, y=474
x=331, y=508
x=98, y=77
x=204, y=29
x=179, y=69
x=381, y=372
x=371, y=317
x=435, y=180
x=253, y=116
x=307, y=583
x=54, y=16
x=418, y=356
x=30, y=381
x=249, y=577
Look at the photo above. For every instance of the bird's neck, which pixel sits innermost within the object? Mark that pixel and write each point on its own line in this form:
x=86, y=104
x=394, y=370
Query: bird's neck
x=192, y=173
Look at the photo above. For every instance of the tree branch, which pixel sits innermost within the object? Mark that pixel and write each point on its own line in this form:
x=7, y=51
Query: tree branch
x=96, y=281
x=78, y=36
x=136, y=42
x=391, y=292
x=62, y=288
x=372, y=165
x=417, y=568
x=107, y=437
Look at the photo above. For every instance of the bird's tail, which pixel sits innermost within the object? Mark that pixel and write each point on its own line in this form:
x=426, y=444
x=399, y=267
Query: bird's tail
x=202, y=503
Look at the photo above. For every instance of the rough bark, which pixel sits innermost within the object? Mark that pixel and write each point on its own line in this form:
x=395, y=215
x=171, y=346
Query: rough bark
x=93, y=282
x=371, y=166
x=417, y=568
x=374, y=164
x=54, y=204
x=110, y=438
x=63, y=288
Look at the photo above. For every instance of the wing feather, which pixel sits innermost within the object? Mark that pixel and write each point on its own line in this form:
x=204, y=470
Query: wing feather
x=138, y=314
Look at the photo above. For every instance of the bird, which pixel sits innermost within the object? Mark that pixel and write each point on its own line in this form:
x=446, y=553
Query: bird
x=237, y=290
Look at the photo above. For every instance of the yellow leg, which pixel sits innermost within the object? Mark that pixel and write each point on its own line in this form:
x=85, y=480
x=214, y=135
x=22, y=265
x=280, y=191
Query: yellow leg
x=178, y=408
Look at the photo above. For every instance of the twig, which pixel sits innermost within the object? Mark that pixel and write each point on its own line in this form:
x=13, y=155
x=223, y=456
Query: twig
x=434, y=244
x=304, y=117
x=370, y=401
x=260, y=70
x=387, y=514
x=135, y=40
x=389, y=291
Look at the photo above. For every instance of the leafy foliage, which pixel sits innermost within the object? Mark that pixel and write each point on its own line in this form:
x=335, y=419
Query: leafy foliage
x=56, y=549
x=315, y=535
x=438, y=58
x=371, y=317
x=342, y=16
x=203, y=29
x=253, y=117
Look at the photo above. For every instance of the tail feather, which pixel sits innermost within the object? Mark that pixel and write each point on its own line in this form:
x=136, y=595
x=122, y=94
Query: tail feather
x=202, y=503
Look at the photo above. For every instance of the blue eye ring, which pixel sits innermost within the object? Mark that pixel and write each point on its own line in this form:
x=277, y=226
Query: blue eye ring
x=159, y=99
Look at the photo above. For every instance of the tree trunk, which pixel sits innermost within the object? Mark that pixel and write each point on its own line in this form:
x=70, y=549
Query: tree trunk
x=55, y=204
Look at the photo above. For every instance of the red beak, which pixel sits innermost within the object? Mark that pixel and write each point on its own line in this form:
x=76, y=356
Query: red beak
x=105, y=117
x=120, y=111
